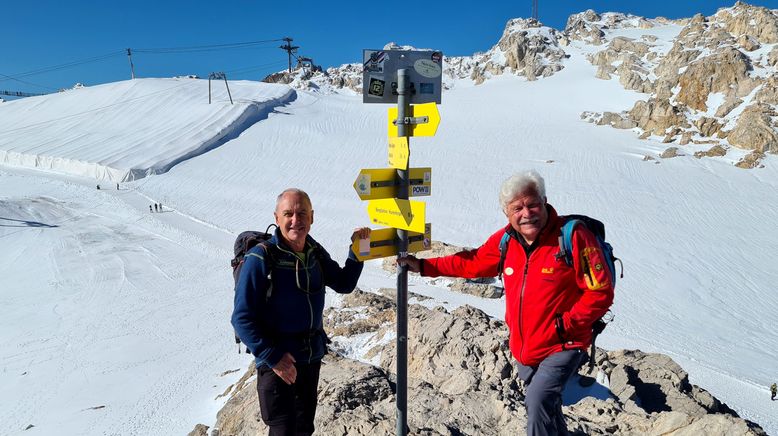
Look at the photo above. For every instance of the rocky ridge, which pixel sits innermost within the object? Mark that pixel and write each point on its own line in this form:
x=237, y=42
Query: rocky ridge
x=712, y=86
x=462, y=380
x=715, y=85
x=526, y=49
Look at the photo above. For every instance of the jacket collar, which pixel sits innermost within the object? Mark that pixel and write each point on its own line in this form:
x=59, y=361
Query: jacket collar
x=279, y=242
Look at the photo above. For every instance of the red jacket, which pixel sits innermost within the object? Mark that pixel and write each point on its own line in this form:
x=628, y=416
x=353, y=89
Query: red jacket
x=538, y=289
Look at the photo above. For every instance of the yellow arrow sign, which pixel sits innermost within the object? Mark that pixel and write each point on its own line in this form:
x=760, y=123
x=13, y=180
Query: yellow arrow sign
x=397, y=213
x=399, y=152
x=383, y=243
x=374, y=183
x=417, y=114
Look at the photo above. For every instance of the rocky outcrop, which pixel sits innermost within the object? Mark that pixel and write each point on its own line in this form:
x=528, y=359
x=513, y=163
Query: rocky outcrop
x=715, y=151
x=526, y=48
x=669, y=153
x=755, y=129
x=751, y=160
x=725, y=71
x=583, y=27
x=629, y=55
x=657, y=115
x=755, y=22
x=713, y=60
x=462, y=380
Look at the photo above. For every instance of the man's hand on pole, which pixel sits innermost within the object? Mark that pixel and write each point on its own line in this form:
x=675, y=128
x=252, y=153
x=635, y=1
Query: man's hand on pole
x=413, y=264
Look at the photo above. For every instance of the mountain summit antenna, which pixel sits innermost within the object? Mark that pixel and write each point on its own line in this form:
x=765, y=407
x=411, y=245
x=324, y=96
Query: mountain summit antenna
x=535, y=9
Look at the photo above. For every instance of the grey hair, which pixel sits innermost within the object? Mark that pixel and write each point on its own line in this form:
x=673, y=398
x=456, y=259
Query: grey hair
x=520, y=183
x=294, y=191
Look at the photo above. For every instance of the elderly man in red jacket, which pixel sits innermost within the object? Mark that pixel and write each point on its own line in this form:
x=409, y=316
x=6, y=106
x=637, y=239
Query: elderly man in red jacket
x=549, y=307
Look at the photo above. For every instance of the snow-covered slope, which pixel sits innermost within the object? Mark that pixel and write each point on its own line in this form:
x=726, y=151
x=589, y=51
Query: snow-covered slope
x=127, y=130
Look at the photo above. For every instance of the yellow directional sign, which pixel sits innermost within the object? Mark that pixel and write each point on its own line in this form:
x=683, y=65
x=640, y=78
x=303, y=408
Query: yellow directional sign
x=374, y=183
x=417, y=116
x=399, y=152
x=397, y=213
x=383, y=243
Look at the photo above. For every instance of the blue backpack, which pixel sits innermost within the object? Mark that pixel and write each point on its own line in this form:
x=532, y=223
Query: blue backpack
x=566, y=254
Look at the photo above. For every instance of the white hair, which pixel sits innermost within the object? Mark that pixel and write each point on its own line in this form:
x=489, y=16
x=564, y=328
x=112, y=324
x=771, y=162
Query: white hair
x=520, y=183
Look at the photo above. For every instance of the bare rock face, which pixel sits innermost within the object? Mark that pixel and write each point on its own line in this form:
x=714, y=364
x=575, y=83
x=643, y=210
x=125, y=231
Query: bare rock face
x=484, y=288
x=754, y=21
x=526, y=48
x=716, y=150
x=460, y=352
x=720, y=72
x=657, y=115
x=462, y=380
x=628, y=54
x=712, y=58
x=748, y=43
x=708, y=126
x=580, y=27
x=199, y=430
x=658, y=384
x=772, y=57
x=616, y=120
x=347, y=76
x=755, y=129
x=752, y=160
x=768, y=93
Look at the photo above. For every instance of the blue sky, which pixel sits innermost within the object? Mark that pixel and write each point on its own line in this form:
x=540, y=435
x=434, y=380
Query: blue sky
x=38, y=35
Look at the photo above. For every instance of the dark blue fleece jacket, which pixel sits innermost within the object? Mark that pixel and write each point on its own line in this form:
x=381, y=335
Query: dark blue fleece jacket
x=290, y=319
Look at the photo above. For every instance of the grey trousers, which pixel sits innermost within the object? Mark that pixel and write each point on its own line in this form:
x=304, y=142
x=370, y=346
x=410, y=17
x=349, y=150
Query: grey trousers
x=543, y=391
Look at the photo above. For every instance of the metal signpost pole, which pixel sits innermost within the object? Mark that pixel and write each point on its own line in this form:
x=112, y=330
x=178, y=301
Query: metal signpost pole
x=403, y=100
x=417, y=91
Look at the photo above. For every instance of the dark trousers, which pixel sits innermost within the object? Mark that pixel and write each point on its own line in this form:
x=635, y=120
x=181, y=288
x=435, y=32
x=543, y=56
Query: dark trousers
x=288, y=410
x=543, y=393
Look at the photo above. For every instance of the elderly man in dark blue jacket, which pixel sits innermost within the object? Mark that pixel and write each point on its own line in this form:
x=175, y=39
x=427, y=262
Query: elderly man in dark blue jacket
x=279, y=300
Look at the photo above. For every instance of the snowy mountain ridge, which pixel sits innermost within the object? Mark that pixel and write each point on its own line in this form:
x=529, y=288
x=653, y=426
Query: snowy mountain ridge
x=117, y=317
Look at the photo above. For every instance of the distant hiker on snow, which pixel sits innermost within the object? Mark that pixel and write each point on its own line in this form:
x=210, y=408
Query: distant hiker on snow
x=117, y=186
x=150, y=210
x=550, y=306
x=773, y=391
x=156, y=209
x=98, y=187
x=279, y=300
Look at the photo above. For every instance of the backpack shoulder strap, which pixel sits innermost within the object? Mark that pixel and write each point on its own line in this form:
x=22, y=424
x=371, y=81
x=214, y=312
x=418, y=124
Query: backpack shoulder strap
x=504, y=242
x=270, y=262
x=566, y=239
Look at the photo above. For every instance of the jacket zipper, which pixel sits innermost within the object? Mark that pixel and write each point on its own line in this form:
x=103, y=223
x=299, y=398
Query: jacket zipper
x=308, y=256
x=307, y=294
x=521, y=304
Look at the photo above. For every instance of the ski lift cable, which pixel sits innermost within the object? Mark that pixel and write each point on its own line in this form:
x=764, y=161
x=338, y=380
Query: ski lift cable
x=62, y=66
x=204, y=47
